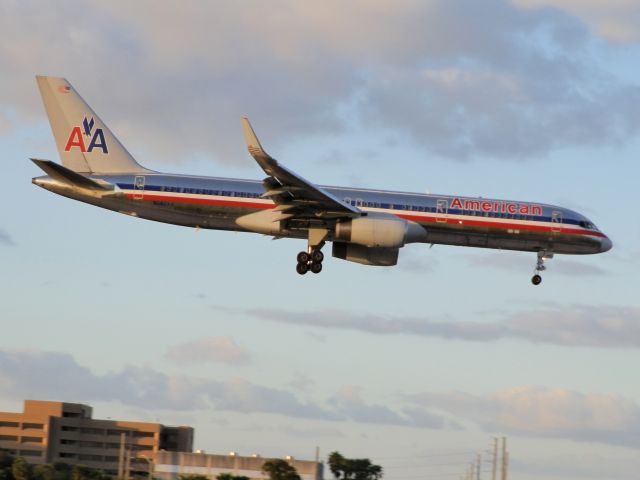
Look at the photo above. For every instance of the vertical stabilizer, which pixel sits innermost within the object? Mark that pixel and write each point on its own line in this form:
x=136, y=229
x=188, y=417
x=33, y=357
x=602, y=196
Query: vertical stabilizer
x=84, y=142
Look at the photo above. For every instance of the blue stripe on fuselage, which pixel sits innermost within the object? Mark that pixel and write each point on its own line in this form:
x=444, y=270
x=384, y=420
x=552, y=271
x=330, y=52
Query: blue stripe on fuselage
x=427, y=204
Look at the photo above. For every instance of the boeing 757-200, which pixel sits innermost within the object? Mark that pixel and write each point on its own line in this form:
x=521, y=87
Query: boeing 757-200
x=365, y=226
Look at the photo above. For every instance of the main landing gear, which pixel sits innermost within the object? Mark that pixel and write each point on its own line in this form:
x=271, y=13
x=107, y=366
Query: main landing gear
x=542, y=256
x=311, y=260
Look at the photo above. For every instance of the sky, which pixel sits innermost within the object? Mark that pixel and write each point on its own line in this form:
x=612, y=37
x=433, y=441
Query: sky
x=417, y=367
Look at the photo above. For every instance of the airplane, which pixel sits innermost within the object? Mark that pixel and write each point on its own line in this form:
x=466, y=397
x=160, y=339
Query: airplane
x=365, y=226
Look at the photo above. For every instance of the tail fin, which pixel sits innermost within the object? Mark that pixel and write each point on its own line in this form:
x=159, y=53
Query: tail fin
x=84, y=142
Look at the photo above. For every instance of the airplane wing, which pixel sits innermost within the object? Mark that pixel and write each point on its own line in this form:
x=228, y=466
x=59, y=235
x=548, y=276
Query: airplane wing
x=294, y=196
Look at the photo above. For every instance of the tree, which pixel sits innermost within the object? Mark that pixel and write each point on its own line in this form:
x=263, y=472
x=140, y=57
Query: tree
x=20, y=469
x=5, y=474
x=279, y=469
x=193, y=477
x=44, y=472
x=82, y=472
x=353, y=468
x=61, y=471
x=231, y=476
x=6, y=459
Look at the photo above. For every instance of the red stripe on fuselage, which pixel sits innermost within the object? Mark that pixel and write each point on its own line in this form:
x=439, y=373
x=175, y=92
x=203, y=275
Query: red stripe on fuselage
x=428, y=219
x=472, y=222
x=199, y=201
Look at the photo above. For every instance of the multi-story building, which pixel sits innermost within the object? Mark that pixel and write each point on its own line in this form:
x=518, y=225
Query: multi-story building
x=172, y=465
x=47, y=432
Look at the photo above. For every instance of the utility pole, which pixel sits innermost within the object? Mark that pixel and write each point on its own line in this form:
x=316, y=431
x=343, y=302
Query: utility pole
x=506, y=466
x=121, y=458
x=127, y=466
x=479, y=459
x=504, y=458
x=495, y=458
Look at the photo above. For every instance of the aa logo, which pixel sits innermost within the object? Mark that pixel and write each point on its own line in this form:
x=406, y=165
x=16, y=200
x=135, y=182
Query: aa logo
x=76, y=138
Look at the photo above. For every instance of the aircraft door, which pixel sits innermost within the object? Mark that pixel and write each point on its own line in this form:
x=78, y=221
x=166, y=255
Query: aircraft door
x=442, y=209
x=556, y=221
x=139, y=188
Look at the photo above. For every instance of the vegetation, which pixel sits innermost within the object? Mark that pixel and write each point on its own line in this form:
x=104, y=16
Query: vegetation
x=353, y=468
x=17, y=468
x=279, y=469
x=230, y=476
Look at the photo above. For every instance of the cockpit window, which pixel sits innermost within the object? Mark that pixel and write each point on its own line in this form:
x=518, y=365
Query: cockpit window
x=588, y=225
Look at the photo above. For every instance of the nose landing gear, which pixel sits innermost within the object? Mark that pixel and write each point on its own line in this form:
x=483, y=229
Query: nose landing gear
x=540, y=267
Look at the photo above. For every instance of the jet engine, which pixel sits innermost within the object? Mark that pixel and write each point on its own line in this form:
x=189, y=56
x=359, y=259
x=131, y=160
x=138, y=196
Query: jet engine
x=376, y=256
x=386, y=231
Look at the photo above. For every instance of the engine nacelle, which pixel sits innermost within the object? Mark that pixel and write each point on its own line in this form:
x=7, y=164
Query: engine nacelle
x=379, y=231
x=376, y=256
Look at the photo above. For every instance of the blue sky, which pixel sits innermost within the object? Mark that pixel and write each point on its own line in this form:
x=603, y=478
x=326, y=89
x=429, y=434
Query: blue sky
x=416, y=367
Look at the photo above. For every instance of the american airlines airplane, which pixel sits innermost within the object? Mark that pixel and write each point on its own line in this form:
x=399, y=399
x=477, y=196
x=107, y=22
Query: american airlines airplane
x=365, y=226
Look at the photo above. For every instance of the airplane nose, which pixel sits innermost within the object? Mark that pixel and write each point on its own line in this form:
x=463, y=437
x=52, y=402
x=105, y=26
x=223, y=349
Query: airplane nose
x=605, y=244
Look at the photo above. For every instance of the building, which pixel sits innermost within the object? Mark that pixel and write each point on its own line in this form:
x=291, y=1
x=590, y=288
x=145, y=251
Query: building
x=47, y=432
x=170, y=465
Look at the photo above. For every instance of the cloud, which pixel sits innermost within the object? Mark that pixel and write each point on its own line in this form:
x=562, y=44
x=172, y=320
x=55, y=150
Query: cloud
x=302, y=382
x=5, y=238
x=209, y=350
x=580, y=467
x=577, y=325
x=617, y=21
x=39, y=374
x=416, y=261
x=518, y=262
x=25, y=374
x=608, y=327
x=545, y=412
x=459, y=79
x=348, y=401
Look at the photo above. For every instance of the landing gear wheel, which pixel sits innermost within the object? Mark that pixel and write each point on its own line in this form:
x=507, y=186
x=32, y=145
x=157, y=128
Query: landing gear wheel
x=303, y=257
x=302, y=268
x=316, y=267
x=317, y=256
x=536, y=279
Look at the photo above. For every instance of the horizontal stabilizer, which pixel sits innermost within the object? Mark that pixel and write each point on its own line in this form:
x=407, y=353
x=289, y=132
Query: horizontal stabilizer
x=65, y=175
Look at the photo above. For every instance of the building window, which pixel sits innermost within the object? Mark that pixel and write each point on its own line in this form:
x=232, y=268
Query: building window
x=30, y=453
x=31, y=439
x=9, y=424
x=139, y=448
x=143, y=434
x=91, y=445
x=92, y=431
x=32, y=426
x=93, y=458
x=65, y=441
x=69, y=429
x=71, y=415
x=67, y=455
x=8, y=438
